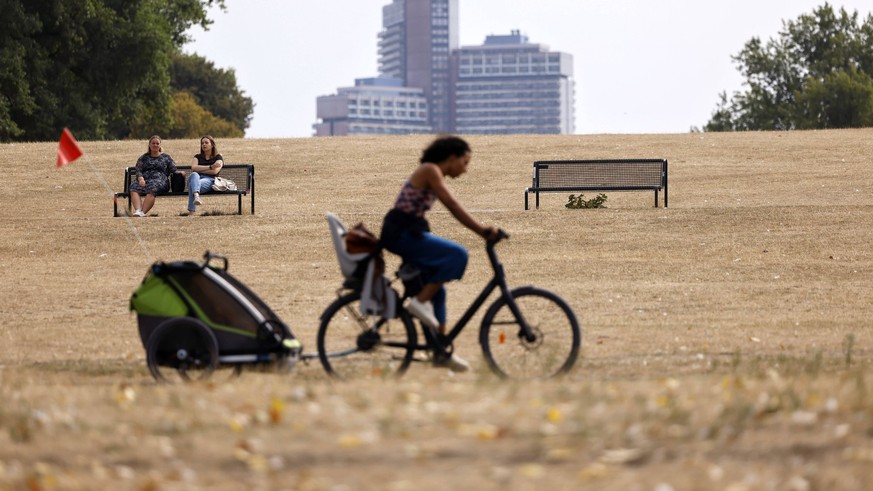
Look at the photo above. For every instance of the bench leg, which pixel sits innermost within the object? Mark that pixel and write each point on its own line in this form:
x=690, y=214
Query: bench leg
x=656, y=198
x=115, y=204
x=525, y=199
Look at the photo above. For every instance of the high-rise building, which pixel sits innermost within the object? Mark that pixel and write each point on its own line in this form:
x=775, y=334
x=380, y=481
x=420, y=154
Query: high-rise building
x=506, y=85
x=415, y=44
x=509, y=86
x=374, y=106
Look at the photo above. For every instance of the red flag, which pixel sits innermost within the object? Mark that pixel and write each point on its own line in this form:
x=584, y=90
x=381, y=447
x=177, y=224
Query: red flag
x=68, y=149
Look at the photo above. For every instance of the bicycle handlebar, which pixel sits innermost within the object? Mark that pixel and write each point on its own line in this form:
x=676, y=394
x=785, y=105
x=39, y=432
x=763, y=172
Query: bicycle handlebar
x=501, y=234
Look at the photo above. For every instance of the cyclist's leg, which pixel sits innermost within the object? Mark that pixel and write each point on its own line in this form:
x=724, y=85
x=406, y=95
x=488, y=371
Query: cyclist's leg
x=438, y=259
x=438, y=299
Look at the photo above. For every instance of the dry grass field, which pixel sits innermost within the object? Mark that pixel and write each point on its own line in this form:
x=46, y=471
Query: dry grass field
x=727, y=339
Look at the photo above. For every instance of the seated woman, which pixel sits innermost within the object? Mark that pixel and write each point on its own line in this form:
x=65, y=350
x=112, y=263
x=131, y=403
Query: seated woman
x=206, y=165
x=152, y=169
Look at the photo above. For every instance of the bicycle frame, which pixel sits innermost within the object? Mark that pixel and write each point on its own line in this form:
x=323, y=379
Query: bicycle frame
x=498, y=281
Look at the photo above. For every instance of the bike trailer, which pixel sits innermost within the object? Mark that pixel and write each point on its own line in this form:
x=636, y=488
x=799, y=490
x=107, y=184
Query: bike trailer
x=197, y=316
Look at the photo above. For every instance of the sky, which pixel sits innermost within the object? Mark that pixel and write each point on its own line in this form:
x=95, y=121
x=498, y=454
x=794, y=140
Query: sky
x=640, y=66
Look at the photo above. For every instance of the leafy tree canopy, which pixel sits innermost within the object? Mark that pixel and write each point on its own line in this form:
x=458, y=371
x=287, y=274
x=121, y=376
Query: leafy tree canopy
x=213, y=88
x=104, y=69
x=190, y=120
x=817, y=73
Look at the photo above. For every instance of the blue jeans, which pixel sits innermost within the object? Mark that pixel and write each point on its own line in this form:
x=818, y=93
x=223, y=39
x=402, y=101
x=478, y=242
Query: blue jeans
x=198, y=184
x=438, y=259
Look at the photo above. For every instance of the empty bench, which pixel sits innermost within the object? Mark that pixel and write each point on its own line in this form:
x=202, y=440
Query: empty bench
x=241, y=174
x=561, y=176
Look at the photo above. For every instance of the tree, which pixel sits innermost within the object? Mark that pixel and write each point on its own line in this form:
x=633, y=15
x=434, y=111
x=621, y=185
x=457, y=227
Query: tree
x=213, y=88
x=15, y=97
x=818, y=73
x=100, y=67
x=182, y=14
x=189, y=120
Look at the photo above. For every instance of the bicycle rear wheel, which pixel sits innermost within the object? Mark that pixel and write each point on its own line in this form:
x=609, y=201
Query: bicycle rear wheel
x=552, y=352
x=352, y=345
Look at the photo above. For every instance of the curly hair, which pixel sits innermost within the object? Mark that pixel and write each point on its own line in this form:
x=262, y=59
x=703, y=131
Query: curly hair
x=443, y=148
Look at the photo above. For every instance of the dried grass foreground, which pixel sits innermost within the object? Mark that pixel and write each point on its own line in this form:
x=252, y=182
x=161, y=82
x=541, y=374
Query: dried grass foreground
x=726, y=342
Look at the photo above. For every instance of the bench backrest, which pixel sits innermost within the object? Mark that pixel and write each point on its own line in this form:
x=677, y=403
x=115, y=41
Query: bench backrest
x=603, y=174
x=242, y=174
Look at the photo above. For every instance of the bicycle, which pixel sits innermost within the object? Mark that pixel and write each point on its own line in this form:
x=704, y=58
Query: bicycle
x=527, y=332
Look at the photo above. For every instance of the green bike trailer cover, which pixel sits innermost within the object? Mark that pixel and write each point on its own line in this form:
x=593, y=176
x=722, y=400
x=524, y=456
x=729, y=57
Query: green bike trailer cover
x=240, y=320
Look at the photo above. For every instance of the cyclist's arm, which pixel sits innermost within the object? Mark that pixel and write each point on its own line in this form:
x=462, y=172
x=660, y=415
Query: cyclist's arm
x=437, y=183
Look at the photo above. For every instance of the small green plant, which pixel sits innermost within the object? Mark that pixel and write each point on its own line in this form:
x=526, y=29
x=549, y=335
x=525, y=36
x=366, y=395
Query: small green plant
x=575, y=202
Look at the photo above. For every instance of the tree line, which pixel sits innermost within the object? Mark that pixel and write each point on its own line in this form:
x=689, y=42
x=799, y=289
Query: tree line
x=816, y=74
x=112, y=69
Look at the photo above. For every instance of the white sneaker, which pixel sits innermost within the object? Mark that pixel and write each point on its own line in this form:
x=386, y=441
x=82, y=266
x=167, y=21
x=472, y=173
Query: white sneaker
x=424, y=311
x=138, y=213
x=454, y=363
x=198, y=201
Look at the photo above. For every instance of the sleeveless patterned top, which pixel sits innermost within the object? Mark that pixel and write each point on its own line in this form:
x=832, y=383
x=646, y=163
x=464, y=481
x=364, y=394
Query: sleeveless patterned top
x=414, y=201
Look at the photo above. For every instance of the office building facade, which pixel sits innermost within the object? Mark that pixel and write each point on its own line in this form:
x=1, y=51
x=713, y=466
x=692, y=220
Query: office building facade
x=374, y=106
x=510, y=86
x=415, y=45
x=507, y=85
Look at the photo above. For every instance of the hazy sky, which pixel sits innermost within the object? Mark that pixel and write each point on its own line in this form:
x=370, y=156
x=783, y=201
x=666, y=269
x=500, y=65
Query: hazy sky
x=640, y=66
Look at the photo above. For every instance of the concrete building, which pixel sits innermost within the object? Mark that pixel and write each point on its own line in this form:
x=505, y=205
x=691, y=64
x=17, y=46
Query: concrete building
x=374, y=106
x=415, y=44
x=508, y=86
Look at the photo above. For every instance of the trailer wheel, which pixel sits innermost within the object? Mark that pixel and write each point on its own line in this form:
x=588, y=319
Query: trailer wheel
x=184, y=346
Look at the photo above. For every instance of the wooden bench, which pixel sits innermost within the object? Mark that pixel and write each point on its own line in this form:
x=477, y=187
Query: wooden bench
x=242, y=174
x=561, y=176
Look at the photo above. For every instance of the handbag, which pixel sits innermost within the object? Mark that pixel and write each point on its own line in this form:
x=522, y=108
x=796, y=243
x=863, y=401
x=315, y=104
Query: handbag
x=222, y=184
x=359, y=239
x=177, y=182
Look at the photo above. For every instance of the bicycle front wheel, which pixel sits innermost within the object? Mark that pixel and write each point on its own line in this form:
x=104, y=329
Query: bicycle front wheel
x=352, y=345
x=556, y=336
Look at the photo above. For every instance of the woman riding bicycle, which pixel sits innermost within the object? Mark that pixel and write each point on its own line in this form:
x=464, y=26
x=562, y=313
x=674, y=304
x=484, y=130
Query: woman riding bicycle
x=406, y=232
